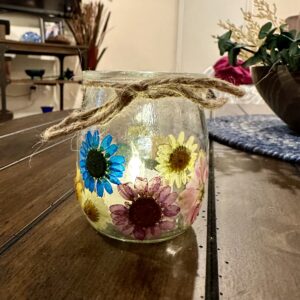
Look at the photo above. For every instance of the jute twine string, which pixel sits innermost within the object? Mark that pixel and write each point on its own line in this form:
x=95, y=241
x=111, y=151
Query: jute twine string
x=189, y=88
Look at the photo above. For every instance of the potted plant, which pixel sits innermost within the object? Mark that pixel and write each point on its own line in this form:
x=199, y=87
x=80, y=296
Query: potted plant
x=275, y=61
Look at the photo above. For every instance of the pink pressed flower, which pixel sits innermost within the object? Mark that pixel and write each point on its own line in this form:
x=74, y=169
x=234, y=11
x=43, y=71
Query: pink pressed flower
x=235, y=74
x=201, y=170
x=190, y=203
x=190, y=199
x=150, y=209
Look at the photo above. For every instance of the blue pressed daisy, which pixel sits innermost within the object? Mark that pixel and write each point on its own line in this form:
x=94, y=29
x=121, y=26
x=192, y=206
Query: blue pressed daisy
x=99, y=165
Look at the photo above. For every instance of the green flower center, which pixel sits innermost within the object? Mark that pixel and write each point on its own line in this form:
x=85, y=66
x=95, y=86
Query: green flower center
x=96, y=163
x=145, y=212
x=179, y=159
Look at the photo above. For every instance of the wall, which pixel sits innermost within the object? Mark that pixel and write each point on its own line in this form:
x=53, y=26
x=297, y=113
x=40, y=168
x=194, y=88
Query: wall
x=200, y=18
x=287, y=8
x=143, y=36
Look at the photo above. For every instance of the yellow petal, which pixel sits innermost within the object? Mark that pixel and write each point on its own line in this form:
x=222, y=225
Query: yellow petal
x=180, y=138
x=160, y=160
x=164, y=149
x=165, y=170
x=158, y=168
x=170, y=179
x=164, y=155
x=193, y=156
x=190, y=142
x=178, y=181
x=193, y=147
x=78, y=175
x=183, y=177
x=172, y=140
x=191, y=164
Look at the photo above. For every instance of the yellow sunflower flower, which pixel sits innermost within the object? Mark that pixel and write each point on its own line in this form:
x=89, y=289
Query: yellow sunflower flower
x=95, y=209
x=78, y=185
x=176, y=159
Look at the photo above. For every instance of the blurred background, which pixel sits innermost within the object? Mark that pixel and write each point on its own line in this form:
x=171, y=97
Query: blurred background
x=155, y=35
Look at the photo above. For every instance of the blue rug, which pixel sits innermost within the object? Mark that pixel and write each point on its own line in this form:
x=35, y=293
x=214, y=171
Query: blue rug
x=260, y=134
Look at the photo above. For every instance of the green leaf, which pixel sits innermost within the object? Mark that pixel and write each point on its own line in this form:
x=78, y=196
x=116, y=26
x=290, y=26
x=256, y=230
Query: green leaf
x=233, y=55
x=274, y=56
x=271, y=42
x=265, y=55
x=265, y=30
x=289, y=34
x=283, y=42
x=255, y=59
x=277, y=48
x=224, y=42
x=271, y=33
x=284, y=54
x=226, y=35
x=294, y=48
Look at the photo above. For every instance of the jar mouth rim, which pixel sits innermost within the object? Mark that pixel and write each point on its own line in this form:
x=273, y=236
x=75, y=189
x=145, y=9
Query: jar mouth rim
x=130, y=76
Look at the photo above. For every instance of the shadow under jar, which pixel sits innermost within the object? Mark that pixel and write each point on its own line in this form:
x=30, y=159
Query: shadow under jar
x=141, y=177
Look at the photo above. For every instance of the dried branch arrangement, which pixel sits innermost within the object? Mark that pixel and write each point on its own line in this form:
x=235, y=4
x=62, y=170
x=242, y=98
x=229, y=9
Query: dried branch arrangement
x=248, y=33
x=89, y=26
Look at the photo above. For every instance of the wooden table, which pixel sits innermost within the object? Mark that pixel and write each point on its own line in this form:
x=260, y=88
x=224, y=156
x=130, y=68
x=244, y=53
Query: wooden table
x=244, y=245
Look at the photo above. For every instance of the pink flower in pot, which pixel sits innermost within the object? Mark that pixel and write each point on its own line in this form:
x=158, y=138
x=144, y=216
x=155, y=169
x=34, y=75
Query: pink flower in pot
x=234, y=74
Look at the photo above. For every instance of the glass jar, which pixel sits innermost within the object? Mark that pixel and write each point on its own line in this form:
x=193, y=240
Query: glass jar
x=141, y=177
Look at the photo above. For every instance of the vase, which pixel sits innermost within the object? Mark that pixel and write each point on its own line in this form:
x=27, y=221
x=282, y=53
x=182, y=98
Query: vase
x=141, y=177
x=280, y=89
x=92, y=57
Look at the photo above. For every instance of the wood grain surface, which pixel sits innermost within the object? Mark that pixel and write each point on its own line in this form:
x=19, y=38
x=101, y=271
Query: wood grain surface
x=258, y=229
x=17, y=126
x=258, y=220
x=29, y=142
x=21, y=200
x=64, y=258
x=28, y=189
x=25, y=140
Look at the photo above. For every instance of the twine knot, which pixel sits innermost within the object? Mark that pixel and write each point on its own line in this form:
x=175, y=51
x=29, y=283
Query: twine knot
x=126, y=96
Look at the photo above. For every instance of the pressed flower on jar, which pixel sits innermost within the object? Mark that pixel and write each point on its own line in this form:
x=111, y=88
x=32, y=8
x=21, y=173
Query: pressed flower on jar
x=99, y=166
x=78, y=185
x=95, y=209
x=176, y=159
x=149, y=209
x=190, y=199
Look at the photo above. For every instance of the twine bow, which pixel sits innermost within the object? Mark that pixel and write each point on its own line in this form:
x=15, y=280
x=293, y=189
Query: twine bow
x=189, y=88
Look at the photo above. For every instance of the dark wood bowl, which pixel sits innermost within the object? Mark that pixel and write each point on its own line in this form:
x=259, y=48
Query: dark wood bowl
x=35, y=73
x=281, y=91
